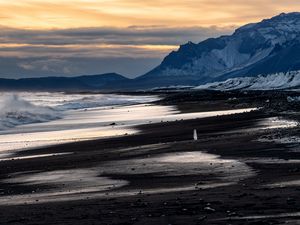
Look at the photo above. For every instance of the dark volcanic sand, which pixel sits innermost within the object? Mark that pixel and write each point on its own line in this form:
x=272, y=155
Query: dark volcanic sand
x=251, y=200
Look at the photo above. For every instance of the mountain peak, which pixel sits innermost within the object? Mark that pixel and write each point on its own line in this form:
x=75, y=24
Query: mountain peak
x=281, y=22
x=284, y=18
x=291, y=14
x=248, y=50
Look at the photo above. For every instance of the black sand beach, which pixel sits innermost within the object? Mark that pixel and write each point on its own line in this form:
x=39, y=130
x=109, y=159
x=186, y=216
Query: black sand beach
x=238, y=172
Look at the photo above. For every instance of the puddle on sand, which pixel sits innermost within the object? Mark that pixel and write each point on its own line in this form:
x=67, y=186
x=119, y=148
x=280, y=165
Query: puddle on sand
x=32, y=140
x=291, y=183
x=65, y=185
x=78, y=184
x=280, y=184
x=272, y=161
x=180, y=163
x=72, y=180
x=276, y=123
x=267, y=124
x=282, y=140
x=5, y=157
x=274, y=216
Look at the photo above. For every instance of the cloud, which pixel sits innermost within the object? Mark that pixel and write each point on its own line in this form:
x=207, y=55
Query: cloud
x=56, y=36
x=47, y=14
x=50, y=66
x=38, y=67
x=134, y=41
x=133, y=35
x=62, y=51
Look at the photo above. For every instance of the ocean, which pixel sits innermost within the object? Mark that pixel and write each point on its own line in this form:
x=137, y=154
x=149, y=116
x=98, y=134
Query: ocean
x=32, y=120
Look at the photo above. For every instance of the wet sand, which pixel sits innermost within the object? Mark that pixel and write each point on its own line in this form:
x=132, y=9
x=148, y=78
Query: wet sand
x=236, y=173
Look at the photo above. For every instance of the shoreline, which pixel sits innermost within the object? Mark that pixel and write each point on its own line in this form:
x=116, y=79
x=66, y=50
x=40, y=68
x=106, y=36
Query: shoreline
x=96, y=123
x=162, y=190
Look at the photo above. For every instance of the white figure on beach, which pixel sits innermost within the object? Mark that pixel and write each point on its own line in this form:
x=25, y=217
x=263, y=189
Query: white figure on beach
x=195, y=135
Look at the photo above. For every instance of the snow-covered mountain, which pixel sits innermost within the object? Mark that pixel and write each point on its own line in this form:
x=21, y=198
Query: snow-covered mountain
x=277, y=81
x=270, y=46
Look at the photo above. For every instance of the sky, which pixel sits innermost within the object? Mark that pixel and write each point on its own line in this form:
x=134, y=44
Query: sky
x=130, y=37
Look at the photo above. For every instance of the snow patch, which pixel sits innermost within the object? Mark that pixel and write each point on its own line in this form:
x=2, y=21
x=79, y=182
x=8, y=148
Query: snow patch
x=278, y=81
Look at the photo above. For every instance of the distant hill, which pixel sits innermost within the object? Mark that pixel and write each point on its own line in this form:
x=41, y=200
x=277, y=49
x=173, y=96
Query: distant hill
x=80, y=83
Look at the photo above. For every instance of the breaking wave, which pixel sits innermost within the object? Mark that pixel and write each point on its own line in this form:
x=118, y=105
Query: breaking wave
x=94, y=101
x=15, y=111
x=26, y=107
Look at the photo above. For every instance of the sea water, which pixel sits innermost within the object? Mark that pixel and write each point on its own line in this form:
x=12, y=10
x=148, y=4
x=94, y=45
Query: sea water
x=31, y=120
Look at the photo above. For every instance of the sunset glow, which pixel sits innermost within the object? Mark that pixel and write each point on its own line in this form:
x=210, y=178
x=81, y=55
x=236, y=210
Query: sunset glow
x=121, y=28
x=45, y=14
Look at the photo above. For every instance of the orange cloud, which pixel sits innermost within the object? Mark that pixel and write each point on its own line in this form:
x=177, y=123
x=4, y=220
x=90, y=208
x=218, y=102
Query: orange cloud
x=46, y=14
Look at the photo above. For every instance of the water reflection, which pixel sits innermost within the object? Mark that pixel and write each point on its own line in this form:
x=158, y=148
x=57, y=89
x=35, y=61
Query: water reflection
x=95, y=123
x=99, y=181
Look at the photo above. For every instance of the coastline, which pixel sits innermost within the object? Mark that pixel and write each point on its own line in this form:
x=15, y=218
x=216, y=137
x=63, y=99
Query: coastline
x=170, y=192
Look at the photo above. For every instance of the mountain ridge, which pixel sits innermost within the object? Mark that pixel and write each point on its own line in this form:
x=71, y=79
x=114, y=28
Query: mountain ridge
x=267, y=47
x=220, y=58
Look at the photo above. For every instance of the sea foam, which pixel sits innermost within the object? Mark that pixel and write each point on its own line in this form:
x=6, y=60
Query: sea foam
x=15, y=111
x=35, y=107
